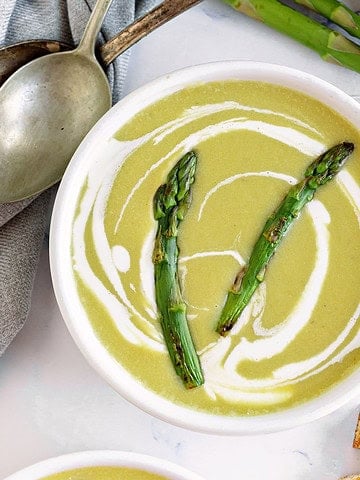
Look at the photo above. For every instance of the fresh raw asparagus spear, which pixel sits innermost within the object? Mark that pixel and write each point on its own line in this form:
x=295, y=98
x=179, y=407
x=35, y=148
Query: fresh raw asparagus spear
x=336, y=12
x=171, y=203
x=323, y=169
x=332, y=46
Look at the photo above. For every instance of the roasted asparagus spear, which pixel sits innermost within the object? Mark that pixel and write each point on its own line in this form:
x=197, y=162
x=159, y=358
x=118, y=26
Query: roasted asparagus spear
x=171, y=203
x=323, y=169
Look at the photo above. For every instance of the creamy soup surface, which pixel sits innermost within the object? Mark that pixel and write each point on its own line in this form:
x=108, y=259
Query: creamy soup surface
x=105, y=473
x=300, y=333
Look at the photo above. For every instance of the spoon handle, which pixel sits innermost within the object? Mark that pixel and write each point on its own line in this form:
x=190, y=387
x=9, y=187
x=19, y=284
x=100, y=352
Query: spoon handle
x=139, y=29
x=87, y=43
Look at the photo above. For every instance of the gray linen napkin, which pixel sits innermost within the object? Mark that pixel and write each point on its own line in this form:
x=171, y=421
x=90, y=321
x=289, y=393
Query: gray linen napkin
x=23, y=224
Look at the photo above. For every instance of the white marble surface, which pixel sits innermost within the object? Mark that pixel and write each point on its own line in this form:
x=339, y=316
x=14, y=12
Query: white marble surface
x=52, y=402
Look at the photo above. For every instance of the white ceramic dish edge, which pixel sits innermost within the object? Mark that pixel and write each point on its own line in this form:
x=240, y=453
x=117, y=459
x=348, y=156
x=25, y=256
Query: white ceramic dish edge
x=60, y=235
x=104, y=458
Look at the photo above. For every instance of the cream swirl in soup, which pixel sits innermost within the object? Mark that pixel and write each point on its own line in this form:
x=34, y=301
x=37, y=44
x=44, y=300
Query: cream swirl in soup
x=300, y=333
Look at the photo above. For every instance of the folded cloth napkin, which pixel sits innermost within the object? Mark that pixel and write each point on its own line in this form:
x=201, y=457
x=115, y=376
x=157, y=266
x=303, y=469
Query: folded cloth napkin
x=23, y=224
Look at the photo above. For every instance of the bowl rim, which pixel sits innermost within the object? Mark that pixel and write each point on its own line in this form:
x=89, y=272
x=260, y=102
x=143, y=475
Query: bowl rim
x=103, y=458
x=94, y=352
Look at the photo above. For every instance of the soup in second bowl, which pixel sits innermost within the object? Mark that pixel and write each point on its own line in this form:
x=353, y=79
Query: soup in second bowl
x=105, y=473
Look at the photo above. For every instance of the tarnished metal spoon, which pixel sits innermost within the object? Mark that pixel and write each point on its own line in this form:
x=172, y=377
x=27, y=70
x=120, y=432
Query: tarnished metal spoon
x=46, y=108
x=45, y=119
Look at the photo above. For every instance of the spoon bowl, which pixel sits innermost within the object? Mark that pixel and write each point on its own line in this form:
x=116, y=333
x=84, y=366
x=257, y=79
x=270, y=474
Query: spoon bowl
x=47, y=107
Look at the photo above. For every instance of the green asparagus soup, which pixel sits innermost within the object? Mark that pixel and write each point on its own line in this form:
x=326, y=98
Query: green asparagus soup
x=299, y=335
x=105, y=473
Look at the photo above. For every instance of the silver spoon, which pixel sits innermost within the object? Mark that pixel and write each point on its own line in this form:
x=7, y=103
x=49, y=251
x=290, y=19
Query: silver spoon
x=35, y=149
x=46, y=108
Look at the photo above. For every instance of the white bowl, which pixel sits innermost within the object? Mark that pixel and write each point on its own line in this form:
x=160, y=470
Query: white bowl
x=105, y=458
x=60, y=256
